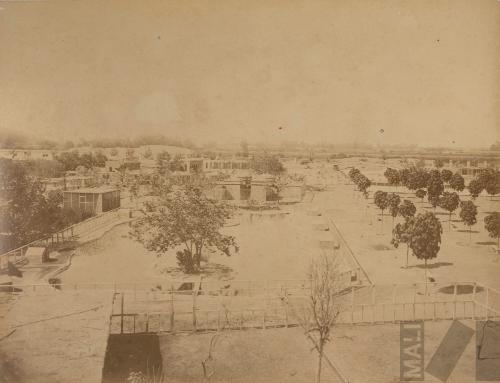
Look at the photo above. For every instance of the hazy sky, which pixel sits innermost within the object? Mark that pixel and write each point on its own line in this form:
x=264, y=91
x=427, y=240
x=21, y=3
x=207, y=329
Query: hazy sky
x=425, y=72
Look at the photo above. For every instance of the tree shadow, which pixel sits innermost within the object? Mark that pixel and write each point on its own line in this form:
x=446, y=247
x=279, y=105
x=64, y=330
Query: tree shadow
x=214, y=270
x=434, y=265
x=486, y=243
x=461, y=289
x=468, y=231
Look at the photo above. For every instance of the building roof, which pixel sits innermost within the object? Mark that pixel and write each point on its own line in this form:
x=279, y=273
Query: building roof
x=98, y=190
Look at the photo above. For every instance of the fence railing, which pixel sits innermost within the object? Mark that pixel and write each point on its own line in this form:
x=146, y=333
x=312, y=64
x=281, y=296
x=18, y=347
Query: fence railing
x=198, y=310
x=196, y=305
x=70, y=233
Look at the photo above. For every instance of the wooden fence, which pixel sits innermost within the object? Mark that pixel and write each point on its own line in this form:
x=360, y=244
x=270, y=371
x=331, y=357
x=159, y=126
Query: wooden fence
x=215, y=310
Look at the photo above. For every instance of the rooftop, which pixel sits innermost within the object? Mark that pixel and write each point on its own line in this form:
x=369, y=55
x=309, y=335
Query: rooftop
x=98, y=190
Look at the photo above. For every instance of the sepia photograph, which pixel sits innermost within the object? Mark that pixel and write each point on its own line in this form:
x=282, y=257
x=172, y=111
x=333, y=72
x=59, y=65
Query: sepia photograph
x=264, y=191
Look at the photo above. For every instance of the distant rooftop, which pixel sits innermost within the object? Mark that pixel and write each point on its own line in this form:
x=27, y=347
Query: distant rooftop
x=98, y=190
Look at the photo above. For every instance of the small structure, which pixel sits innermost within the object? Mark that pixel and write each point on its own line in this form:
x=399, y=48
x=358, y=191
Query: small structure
x=92, y=200
x=262, y=190
x=37, y=254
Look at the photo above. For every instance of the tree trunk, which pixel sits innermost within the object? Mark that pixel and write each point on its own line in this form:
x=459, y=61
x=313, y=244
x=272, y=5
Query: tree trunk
x=425, y=268
x=320, y=360
x=449, y=223
x=407, y=251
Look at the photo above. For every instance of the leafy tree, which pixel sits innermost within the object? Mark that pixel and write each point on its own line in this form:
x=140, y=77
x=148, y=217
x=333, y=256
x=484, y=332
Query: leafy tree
x=113, y=152
x=44, y=168
x=362, y=182
x=421, y=193
x=186, y=218
x=407, y=209
x=381, y=201
x=267, y=164
x=475, y=188
x=468, y=214
x=435, y=187
x=353, y=173
x=449, y=201
x=492, y=183
x=446, y=175
x=99, y=159
x=404, y=175
x=426, y=237
x=417, y=179
x=30, y=213
x=457, y=182
x=392, y=176
x=69, y=160
x=393, y=201
x=492, y=224
x=72, y=160
x=402, y=233
x=168, y=164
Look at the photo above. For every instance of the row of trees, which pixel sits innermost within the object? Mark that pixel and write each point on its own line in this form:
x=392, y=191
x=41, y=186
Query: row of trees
x=14, y=140
x=422, y=233
x=360, y=180
x=267, y=164
x=449, y=201
x=72, y=160
x=392, y=201
x=488, y=180
x=434, y=180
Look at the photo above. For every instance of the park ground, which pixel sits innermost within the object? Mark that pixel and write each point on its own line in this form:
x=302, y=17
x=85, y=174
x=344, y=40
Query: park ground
x=279, y=245
x=361, y=353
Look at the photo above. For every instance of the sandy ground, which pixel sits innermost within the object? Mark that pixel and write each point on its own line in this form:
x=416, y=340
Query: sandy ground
x=273, y=246
x=460, y=258
x=54, y=337
x=242, y=356
x=361, y=353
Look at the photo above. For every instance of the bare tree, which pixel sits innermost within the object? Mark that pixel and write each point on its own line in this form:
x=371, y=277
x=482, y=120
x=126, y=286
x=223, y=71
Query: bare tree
x=320, y=312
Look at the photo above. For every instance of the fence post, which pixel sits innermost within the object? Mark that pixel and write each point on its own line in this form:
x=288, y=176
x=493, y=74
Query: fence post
x=394, y=303
x=415, y=298
x=373, y=303
x=474, y=301
x=487, y=302
x=121, y=325
x=172, y=308
x=454, y=300
x=352, y=305
x=194, y=311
